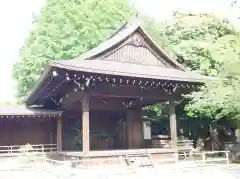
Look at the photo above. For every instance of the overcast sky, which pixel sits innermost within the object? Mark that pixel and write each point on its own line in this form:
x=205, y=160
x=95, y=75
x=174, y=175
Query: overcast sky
x=16, y=16
x=163, y=9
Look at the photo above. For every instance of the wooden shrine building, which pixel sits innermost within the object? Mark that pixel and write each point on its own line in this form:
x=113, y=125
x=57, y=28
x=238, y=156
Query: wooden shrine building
x=102, y=92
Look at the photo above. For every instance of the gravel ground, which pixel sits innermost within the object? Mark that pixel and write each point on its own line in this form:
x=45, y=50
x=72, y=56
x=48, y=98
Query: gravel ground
x=170, y=171
x=218, y=172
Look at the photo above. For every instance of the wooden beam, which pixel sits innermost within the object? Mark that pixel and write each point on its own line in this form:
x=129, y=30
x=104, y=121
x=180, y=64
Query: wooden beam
x=129, y=91
x=122, y=92
x=59, y=134
x=110, y=104
x=173, y=123
x=85, y=123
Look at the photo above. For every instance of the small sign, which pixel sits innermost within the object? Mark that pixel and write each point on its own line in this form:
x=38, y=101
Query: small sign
x=147, y=129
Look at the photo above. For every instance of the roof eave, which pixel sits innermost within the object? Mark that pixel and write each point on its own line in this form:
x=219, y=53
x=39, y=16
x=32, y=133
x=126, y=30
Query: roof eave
x=37, y=87
x=28, y=111
x=55, y=64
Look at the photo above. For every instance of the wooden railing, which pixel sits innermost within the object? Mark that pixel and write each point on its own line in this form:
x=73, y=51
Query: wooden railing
x=205, y=157
x=14, y=149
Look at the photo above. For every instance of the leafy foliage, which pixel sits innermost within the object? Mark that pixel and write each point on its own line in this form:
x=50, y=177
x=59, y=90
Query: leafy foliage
x=206, y=44
x=220, y=99
x=192, y=40
x=65, y=30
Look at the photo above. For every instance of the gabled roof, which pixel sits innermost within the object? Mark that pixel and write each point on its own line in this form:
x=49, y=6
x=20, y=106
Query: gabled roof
x=130, y=35
x=129, y=52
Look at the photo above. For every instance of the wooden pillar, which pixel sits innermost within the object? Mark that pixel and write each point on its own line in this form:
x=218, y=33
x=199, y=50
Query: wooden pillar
x=51, y=131
x=85, y=124
x=173, y=124
x=59, y=134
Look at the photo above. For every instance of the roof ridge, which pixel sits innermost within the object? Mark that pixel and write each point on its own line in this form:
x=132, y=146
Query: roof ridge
x=113, y=40
x=118, y=30
x=133, y=21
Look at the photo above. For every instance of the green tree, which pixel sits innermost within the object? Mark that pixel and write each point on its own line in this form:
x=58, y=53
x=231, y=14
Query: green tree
x=220, y=99
x=210, y=46
x=192, y=39
x=64, y=30
x=203, y=43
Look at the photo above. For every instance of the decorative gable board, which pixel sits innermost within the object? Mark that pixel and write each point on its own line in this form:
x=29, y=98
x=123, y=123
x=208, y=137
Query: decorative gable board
x=135, y=49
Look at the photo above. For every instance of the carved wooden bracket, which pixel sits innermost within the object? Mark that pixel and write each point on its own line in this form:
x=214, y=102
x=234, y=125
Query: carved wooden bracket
x=137, y=41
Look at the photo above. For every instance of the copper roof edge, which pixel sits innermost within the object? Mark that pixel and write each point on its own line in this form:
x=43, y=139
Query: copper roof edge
x=37, y=86
x=22, y=110
x=87, y=69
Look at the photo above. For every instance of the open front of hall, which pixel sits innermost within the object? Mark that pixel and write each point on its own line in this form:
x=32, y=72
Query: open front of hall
x=99, y=97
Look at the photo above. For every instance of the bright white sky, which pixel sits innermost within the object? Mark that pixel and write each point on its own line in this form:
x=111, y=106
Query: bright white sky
x=163, y=9
x=16, y=17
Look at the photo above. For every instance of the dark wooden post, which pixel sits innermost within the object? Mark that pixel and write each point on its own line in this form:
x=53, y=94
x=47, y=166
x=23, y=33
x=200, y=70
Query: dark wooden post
x=173, y=123
x=134, y=126
x=85, y=124
x=59, y=134
x=51, y=131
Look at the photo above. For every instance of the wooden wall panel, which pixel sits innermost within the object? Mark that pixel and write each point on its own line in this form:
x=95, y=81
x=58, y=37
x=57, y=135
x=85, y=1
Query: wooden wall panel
x=103, y=131
x=13, y=132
